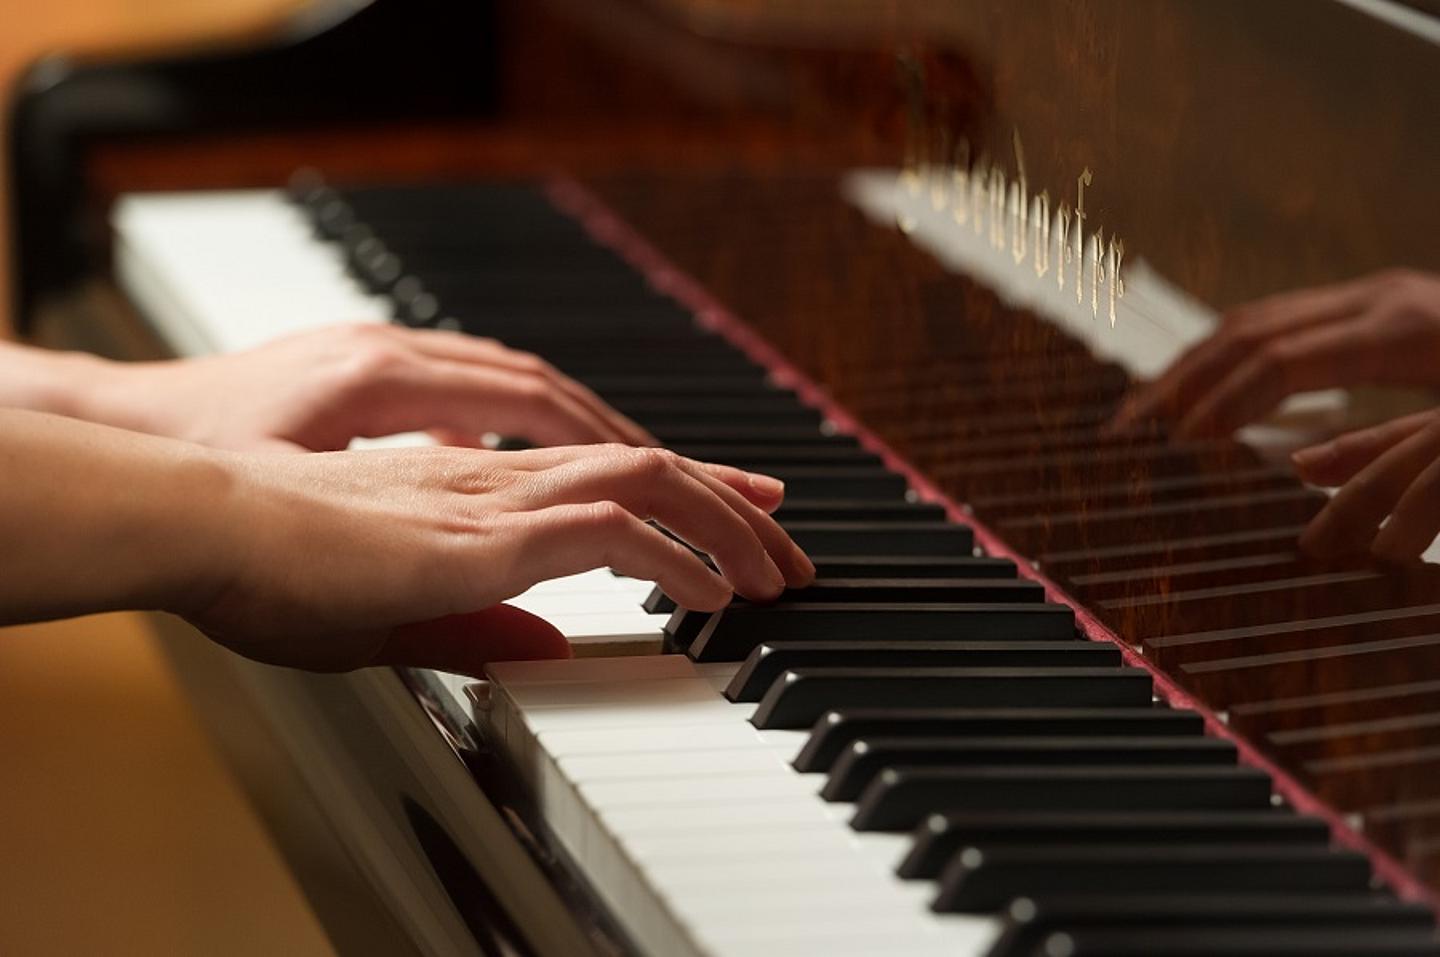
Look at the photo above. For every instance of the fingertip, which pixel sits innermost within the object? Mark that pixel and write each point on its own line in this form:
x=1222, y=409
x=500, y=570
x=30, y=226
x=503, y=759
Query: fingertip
x=768, y=489
x=1314, y=463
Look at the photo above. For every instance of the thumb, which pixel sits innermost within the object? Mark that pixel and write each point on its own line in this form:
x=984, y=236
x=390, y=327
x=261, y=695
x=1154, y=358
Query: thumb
x=464, y=644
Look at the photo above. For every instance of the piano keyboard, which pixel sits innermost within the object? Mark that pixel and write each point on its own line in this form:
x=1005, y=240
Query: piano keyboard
x=920, y=755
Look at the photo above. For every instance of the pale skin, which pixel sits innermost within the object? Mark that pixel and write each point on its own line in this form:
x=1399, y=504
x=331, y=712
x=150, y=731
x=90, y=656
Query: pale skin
x=345, y=559
x=1382, y=329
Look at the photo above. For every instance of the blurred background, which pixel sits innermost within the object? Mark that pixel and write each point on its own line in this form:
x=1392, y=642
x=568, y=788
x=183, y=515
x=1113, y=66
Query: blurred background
x=121, y=832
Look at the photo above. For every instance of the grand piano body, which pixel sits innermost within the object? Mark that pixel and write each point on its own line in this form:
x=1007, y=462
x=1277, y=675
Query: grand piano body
x=829, y=219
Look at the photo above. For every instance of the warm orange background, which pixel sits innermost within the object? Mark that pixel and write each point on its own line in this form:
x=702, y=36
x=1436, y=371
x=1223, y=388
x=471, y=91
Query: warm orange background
x=120, y=831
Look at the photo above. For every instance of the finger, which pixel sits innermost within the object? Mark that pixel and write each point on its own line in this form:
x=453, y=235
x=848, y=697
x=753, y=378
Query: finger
x=1335, y=462
x=1319, y=303
x=763, y=490
x=1350, y=519
x=459, y=347
x=1195, y=373
x=474, y=399
x=654, y=484
x=465, y=644
x=1322, y=357
x=1415, y=522
x=569, y=539
x=457, y=439
x=792, y=561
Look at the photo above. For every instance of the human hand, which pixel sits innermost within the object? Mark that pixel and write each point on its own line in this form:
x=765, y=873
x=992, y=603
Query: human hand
x=318, y=390
x=1383, y=329
x=1390, y=470
x=327, y=561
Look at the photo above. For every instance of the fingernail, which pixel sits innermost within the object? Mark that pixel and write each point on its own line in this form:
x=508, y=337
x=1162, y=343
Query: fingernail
x=777, y=578
x=766, y=485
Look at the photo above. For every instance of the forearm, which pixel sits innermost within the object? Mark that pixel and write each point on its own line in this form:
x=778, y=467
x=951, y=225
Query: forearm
x=95, y=519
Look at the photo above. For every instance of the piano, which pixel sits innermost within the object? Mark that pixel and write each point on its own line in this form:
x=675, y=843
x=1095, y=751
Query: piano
x=1055, y=693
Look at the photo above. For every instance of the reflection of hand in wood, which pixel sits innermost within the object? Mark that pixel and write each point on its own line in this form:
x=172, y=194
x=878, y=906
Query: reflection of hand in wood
x=1383, y=329
x=1388, y=470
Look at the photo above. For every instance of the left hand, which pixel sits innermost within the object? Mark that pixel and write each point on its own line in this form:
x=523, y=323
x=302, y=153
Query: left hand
x=1388, y=470
x=318, y=390
x=1383, y=329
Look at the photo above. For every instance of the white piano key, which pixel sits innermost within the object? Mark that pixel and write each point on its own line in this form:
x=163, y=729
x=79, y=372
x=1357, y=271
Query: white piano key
x=687, y=764
x=563, y=744
x=516, y=674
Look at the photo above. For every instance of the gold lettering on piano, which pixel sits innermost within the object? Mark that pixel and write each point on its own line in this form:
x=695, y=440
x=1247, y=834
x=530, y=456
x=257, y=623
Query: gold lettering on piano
x=1019, y=211
x=1115, y=254
x=1081, y=181
x=995, y=193
x=938, y=197
x=960, y=182
x=1040, y=216
x=977, y=194
x=941, y=177
x=1097, y=269
x=1061, y=230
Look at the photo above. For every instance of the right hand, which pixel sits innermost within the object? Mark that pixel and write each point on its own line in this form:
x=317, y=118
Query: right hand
x=1382, y=329
x=1388, y=473
x=328, y=561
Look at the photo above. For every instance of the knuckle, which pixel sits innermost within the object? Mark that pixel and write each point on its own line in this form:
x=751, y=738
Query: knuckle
x=372, y=361
x=534, y=391
x=1275, y=357
x=651, y=463
x=529, y=363
x=608, y=515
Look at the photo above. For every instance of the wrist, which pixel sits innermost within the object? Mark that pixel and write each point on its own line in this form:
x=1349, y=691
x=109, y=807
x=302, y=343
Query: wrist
x=42, y=380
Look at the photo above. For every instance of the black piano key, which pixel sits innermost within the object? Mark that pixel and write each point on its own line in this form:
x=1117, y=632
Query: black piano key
x=771, y=659
x=915, y=591
x=685, y=625
x=760, y=457
x=658, y=382
x=913, y=566
x=902, y=538
x=1028, y=923
x=680, y=435
x=731, y=633
x=618, y=358
x=986, y=880
x=665, y=424
x=835, y=730
x=1298, y=940
x=801, y=696
x=901, y=797
x=856, y=510
x=940, y=836
x=708, y=407
x=874, y=482
x=867, y=757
